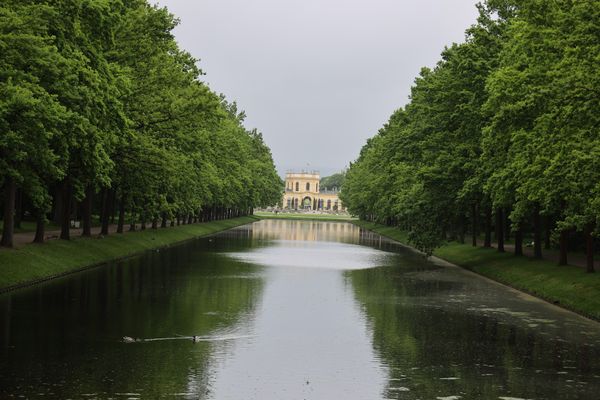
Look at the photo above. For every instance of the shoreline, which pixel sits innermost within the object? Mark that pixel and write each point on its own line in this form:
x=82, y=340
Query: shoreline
x=37, y=263
x=541, y=279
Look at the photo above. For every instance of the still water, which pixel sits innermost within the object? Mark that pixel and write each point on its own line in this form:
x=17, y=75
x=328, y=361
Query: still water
x=290, y=310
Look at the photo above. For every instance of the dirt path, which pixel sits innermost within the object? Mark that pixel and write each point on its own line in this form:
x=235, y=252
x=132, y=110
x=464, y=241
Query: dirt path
x=24, y=238
x=575, y=259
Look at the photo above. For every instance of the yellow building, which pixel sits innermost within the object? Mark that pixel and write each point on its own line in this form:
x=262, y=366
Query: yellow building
x=302, y=192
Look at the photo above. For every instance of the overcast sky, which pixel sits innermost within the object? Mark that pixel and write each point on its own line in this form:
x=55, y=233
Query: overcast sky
x=317, y=77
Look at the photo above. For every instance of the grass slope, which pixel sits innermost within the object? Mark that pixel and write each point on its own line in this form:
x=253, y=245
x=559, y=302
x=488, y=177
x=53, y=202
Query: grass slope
x=36, y=262
x=568, y=286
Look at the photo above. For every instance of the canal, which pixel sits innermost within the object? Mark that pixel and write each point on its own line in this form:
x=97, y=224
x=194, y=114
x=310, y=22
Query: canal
x=290, y=310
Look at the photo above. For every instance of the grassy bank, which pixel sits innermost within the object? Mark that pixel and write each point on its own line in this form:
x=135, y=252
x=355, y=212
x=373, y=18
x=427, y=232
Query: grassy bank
x=57, y=257
x=304, y=216
x=567, y=286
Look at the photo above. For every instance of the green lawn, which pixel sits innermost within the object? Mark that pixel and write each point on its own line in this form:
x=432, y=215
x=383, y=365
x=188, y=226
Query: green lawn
x=568, y=286
x=56, y=257
x=304, y=216
x=387, y=231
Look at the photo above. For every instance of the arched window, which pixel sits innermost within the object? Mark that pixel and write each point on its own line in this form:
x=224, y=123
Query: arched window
x=297, y=187
x=308, y=186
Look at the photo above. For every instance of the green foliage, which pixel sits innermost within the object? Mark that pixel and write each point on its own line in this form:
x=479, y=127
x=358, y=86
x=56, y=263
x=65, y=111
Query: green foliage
x=32, y=118
x=333, y=181
x=509, y=119
x=98, y=97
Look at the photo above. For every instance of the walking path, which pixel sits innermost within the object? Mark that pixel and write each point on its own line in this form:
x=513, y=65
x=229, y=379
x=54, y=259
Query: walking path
x=23, y=238
x=575, y=259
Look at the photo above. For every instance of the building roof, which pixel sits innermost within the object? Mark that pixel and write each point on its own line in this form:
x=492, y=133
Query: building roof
x=303, y=174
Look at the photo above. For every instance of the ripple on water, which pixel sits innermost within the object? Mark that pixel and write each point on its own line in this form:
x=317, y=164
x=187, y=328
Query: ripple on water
x=399, y=389
x=511, y=398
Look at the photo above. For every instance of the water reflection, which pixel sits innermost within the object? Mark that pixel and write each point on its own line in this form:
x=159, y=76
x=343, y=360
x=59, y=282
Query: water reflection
x=323, y=231
x=308, y=310
x=63, y=339
x=323, y=255
x=445, y=333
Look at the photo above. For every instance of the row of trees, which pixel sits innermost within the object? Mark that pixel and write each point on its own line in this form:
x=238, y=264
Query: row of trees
x=101, y=111
x=503, y=134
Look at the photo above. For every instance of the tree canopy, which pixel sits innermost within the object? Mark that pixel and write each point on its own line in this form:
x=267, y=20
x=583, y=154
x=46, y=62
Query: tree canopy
x=333, y=181
x=505, y=126
x=102, y=112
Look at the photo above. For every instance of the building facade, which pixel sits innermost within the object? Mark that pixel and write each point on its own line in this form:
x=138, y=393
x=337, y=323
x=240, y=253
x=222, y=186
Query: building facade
x=302, y=192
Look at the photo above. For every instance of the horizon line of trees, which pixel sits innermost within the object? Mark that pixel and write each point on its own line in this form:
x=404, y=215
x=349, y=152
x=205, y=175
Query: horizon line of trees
x=102, y=113
x=503, y=135
x=333, y=181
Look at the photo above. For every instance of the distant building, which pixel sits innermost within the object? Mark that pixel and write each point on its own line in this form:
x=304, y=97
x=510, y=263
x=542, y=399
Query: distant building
x=302, y=192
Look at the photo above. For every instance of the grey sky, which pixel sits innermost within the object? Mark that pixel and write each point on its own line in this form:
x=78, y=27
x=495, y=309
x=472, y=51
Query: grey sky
x=317, y=77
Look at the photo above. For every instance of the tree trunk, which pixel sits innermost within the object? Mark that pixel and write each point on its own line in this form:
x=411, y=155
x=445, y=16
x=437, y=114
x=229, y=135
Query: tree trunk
x=506, y=225
x=40, y=227
x=163, y=223
x=65, y=223
x=589, y=249
x=154, y=223
x=113, y=205
x=105, y=212
x=57, y=218
x=499, y=229
x=143, y=221
x=121, y=221
x=102, y=204
x=10, y=188
x=519, y=242
x=548, y=231
x=537, y=232
x=87, y=212
x=18, y=208
x=475, y=231
x=462, y=228
x=488, y=227
x=564, y=236
x=132, y=224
